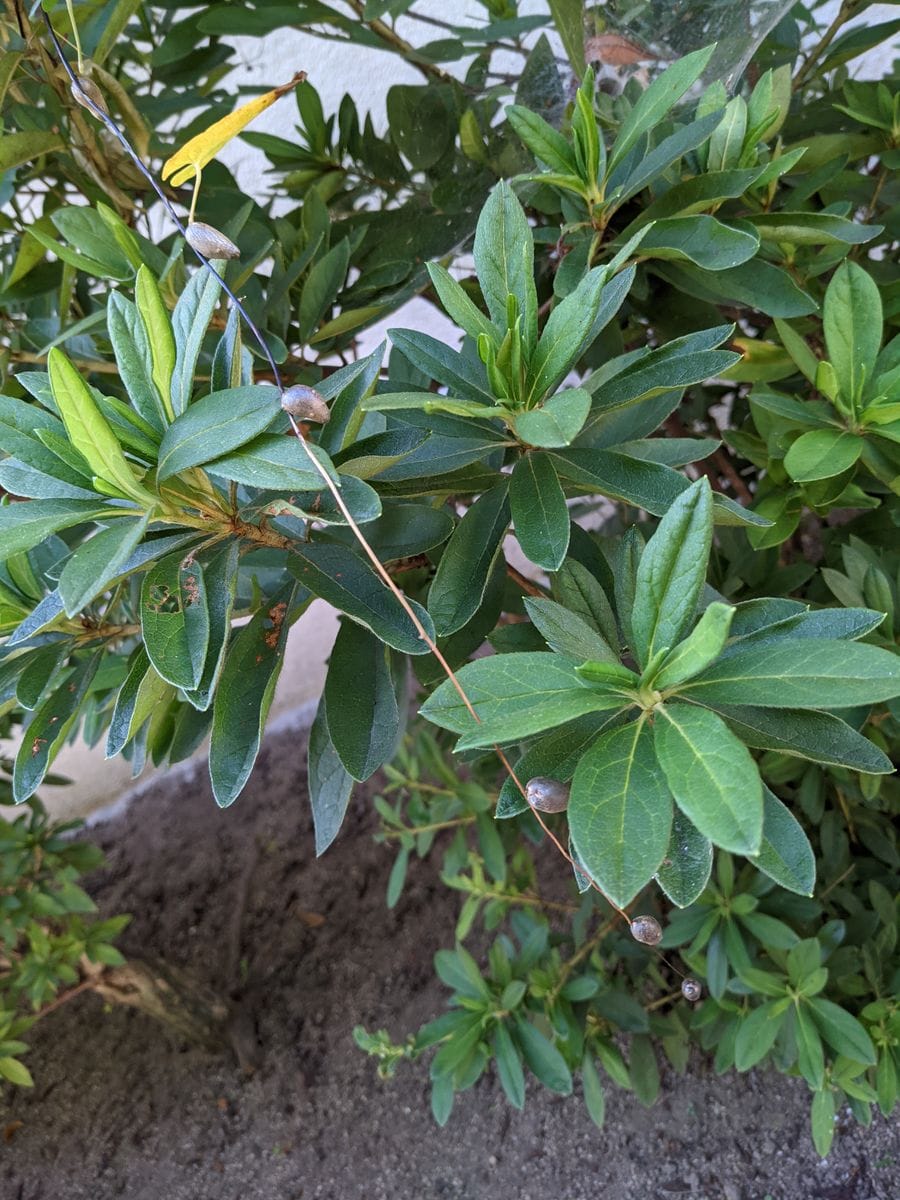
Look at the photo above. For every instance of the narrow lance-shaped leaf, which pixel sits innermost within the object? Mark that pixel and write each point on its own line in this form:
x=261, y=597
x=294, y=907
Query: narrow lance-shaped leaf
x=539, y=512
x=671, y=573
x=49, y=728
x=88, y=430
x=360, y=702
x=330, y=783
x=462, y=575
x=244, y=695
x=800, y=674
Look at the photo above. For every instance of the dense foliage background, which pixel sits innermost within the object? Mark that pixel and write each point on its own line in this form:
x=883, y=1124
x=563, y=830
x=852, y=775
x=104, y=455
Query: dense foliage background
x=676, y=379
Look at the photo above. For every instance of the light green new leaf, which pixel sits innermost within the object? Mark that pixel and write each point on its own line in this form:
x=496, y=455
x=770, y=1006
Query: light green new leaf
x=852, y=319
x=701, y=647
x=539, y=513
x=672, y=572
x=88, y=430
x=620, y=811
x=557, y=422
x=504, y=260
x=712, y=776
x=822, y=454
x=159, y=335
x=457, y=305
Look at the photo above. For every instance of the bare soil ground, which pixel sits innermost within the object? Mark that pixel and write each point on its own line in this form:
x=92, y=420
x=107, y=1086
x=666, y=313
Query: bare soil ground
x=120, y=1110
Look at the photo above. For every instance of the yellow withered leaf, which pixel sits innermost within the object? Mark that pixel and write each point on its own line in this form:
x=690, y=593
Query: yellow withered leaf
x=203, y=148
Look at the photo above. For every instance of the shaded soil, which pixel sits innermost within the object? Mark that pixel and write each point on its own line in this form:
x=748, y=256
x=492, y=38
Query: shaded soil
x=120, y=1110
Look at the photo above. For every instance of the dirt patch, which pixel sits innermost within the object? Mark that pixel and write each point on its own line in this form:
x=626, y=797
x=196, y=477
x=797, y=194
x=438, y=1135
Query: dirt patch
x=238, y=897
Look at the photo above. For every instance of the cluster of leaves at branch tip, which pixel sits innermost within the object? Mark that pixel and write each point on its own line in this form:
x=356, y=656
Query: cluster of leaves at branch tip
x=704, y=660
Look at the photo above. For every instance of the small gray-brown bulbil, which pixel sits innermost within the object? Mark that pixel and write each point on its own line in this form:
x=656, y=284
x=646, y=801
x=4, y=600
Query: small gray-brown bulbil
x=691, y=990
x=210, y=242
x=86, y=87
x=547, y=795
x=647, y=930
x=305, y=404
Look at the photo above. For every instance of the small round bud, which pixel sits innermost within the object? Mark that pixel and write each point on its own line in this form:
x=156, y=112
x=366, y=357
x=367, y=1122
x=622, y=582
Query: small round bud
x=646, y=930
x=305, y=404
x=691, y=990
x=210, y=242
x=84, y=89
x=547, y=795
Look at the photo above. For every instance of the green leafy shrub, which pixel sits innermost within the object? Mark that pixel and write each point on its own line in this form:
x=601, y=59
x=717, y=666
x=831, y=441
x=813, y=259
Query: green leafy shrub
x=657, y=268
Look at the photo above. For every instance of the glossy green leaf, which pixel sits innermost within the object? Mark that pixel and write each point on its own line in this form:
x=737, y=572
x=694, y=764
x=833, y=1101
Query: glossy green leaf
x=801, y=674
x=852, y=318
x=215, y=425
x=714, y=780
x=504, y=261
x=818, y=736
x=515, y=696
x=274, y=462
x=462, y=575
x=361, y=706
x=131, y=346
x=812, y=228
x=344, y=579
x=190, y=320
x=685, y=870
x=785, y=854
x=244, y=695
x=160, y=337
x=220, y=576
x=99, y=560
x=701, y=240
x=175, y=619
x=27, y=524
x=555, y=756
x=543, y=1058
x=330, y=784
x=822, y=454
x=567, y=633
x=539, y=513
x=49, y=727
x=841, y=1030
x=672, y=572
x=657, y=99
x=509, y=1067
x=620, y=811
